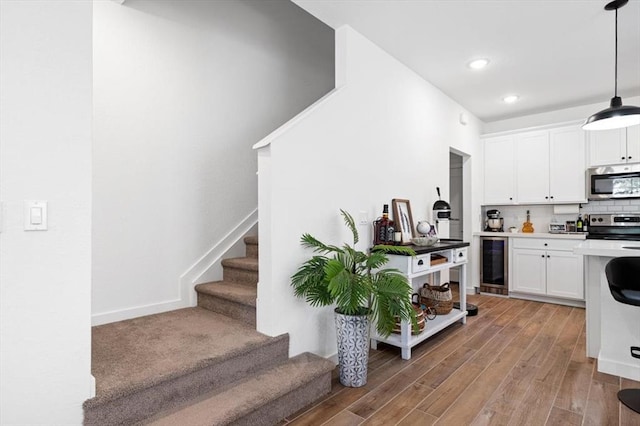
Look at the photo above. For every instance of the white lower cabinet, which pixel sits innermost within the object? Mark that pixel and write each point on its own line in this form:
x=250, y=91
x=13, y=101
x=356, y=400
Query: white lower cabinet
x=529, y=271
x=547, y=267
x=565, y=275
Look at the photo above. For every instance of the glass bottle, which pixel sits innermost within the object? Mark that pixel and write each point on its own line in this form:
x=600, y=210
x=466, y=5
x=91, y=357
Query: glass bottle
x=381, y=234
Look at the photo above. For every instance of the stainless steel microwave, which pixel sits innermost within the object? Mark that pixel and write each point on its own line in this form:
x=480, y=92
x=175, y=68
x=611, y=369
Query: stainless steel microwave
x=615, y=181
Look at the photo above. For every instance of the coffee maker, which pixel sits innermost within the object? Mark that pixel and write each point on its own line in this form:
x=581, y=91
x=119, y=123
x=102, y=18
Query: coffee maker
x=494, y=223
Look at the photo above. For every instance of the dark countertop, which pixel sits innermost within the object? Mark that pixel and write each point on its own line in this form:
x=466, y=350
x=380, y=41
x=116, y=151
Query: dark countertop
x=443, y=244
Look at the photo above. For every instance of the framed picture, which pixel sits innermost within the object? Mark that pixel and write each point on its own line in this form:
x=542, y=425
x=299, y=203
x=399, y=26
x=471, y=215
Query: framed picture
x=403, y=219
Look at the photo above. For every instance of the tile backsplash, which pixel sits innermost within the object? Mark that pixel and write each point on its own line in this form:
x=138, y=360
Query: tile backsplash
x=542, y=215
x=612, y=206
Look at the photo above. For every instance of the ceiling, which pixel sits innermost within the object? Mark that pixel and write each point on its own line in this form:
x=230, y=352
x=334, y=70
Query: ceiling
x=554, y=54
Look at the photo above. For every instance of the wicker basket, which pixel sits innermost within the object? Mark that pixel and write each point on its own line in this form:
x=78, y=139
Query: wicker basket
x=419, y=316
x=437, y=297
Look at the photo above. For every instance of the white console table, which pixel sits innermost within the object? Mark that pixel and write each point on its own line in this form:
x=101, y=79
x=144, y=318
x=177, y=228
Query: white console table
x=416, y=270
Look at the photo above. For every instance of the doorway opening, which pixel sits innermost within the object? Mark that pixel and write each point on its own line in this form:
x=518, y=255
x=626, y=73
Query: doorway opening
x=456, y=200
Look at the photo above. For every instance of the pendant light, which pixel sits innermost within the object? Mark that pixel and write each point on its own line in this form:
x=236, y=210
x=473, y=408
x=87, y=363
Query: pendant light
x=617, y=115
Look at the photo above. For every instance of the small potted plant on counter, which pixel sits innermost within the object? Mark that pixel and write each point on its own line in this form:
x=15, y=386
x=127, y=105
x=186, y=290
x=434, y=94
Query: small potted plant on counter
x=363, y=291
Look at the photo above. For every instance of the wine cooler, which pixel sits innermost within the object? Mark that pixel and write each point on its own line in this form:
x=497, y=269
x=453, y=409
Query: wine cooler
x=494, y=276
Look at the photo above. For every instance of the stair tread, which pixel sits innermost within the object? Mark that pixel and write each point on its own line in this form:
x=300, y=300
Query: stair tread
x=251, y=393
x=251, y=239
x=138, y=353
x=230, y=290
x=246, y=263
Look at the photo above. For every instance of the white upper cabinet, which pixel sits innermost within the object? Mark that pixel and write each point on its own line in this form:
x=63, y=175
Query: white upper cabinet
x=499, y=170
x=633, y=144
x=532, y=167
x=536, y=167
x=567, y=165
x=615, y=146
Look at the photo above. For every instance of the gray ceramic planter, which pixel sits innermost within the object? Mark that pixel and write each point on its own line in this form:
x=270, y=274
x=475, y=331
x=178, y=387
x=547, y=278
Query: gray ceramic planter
x=353, y=348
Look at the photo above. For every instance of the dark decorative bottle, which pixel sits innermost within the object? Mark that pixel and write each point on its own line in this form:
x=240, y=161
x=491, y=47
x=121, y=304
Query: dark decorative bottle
x=383, y=228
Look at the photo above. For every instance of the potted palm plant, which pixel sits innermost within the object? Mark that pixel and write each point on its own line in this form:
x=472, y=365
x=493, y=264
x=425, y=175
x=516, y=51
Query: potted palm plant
x=363, y=291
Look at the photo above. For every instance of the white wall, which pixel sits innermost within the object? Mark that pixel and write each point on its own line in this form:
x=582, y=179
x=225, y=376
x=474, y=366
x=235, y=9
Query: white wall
x=182, y=91
x=553, y=117
x=45, y=134
x=386, y=133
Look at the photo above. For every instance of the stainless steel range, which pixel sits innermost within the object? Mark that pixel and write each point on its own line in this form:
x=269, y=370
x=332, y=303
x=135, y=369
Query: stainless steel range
x=614, y=226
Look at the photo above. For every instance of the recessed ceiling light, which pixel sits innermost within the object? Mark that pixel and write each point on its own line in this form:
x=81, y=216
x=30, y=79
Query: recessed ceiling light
x=509, y=99
x=478, y=64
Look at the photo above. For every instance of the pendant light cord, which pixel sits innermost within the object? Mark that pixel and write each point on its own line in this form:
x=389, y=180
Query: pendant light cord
x=616, y=67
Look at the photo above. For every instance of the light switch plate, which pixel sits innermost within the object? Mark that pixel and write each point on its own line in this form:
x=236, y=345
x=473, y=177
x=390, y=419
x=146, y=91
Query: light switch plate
x=35, y=215
x=363, y=219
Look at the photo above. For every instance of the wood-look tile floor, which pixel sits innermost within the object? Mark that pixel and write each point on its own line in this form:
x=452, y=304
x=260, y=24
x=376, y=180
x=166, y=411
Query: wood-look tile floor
x=516, y=363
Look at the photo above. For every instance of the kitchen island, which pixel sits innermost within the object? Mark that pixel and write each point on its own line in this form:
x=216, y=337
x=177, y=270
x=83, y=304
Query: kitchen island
x=611, y=327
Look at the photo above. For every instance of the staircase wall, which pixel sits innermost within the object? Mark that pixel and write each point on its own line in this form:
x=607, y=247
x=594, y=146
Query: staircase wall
x=384, y=133
x=182, y=91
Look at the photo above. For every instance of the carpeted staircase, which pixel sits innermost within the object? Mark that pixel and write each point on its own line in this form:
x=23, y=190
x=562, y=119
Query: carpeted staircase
x=202, y=366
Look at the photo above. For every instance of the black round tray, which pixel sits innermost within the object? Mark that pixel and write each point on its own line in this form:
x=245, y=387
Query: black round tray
x=472, y=310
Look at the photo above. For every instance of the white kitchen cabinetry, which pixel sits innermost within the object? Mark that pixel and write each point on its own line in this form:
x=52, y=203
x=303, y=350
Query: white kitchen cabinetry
x=567, y=165
x=547, y=267
x=615, y=146
x=532, y=167
x=565, y=275
x=529, y=271
x=499, y=170
x=549, y=167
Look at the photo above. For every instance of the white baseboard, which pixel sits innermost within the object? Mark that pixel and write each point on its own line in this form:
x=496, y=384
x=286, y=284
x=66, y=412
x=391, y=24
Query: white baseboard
x=188, y=279
x=547, y=299
x=92, y=386
x=333, y=358
x=137, y=311
x=628, y=370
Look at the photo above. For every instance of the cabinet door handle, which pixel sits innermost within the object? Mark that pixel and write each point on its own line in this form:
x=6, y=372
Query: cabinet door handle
x=545, y=244
x=552, y=197
x=420, y=262
x=622, y=158
x=629, y=157
x=548, y=256
x=546, y=198
x=543, y=256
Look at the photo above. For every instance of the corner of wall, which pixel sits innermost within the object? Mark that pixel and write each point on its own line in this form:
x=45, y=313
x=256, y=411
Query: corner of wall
x=341, y=55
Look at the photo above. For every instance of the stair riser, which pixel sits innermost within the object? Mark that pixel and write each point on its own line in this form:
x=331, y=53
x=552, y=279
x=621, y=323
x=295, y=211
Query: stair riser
x=136, y=407
x=273, y=412
x=238, y=311
x=242, y=276
x=252, y=250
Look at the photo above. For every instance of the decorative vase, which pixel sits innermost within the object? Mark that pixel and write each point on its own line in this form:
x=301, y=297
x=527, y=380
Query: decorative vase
x=352, y=332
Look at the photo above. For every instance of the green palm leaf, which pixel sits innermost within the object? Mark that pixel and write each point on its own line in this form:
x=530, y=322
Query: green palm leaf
x=309, y=282
x=351, y=224
x=355, y=281
x=392, y=300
